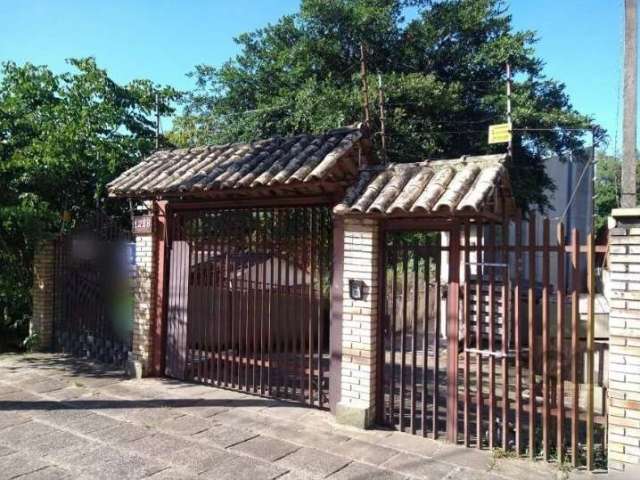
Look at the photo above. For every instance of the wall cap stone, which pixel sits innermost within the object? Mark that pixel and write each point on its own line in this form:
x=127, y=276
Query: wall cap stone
x=625, y=212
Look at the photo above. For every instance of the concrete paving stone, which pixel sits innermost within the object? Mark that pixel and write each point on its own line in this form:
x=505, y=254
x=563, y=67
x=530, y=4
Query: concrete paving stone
x=69, y=393
x=22, y=434
x=197, y=458
x=360, y=471
x=62, y=415
x=19, y=464
x=244, y=468
x=223, y=436
x=10, y=418
x=473, y=458
x=7, y=388
x=249, y=421
x=151, y=416
x=288, y=412
x=123, y=433
x=313, y=462
x=413, y=465
x=91, y=423
x=121, y=390
x=463, y=473
x=109, y=463
x=521, y=468
x=57, y=444
x=411, y=444
x=159, y=444
x=185, y=425
x=203, y=409
x=6, y=451
x=18, y=397
x=265, y=448
x=296, y=475
x=173, y=473
x=49, y=473
x=364, y=451
x=319, y=440
x=28, y=379
x=46, y=386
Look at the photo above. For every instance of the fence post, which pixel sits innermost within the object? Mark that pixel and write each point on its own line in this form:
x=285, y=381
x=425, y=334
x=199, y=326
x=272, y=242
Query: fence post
x=43, y=295
x=140, y=361
x=357, y=405
x=624, y=338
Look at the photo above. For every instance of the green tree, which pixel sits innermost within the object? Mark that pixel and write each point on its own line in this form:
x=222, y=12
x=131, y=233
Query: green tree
x=443, y=73
x=608, y=187
x=62, y=139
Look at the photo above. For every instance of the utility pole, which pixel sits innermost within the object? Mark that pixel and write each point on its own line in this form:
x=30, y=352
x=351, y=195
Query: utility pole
x=509, y=120
x=365, y=85
x=630, y=105
x=157, y=121
x=383, y=137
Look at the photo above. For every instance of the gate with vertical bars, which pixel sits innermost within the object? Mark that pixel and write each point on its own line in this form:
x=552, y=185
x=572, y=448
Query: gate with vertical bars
x=248, y=303
x=490, y=338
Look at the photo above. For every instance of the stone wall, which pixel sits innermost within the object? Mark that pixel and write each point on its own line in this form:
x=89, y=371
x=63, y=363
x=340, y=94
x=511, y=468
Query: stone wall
x=624, y=330
x=43, y=294
x=359, y=324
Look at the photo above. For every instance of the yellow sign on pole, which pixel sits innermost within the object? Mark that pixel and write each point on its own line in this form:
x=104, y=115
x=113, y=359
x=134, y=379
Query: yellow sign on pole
x=500, y=133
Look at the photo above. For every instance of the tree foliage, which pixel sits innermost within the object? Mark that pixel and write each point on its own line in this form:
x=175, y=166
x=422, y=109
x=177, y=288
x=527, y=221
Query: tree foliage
x=608, y=187
x=63, y=137
x=443, y=72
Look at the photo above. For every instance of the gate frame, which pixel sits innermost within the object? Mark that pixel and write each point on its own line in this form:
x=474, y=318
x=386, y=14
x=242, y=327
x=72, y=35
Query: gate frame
x=452, y=226
x=161, y=212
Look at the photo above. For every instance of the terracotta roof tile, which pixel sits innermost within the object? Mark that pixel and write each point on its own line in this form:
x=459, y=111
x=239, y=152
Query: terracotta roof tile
x=442, y=186
x=273, y=162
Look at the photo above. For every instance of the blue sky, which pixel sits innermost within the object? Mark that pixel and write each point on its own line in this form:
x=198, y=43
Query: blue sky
x=580, y=40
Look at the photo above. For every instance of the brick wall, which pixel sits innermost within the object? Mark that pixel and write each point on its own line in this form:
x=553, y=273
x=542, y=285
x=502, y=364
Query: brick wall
x=359, y=323
x=624, y=331
x=42, y=294
x=144, y=296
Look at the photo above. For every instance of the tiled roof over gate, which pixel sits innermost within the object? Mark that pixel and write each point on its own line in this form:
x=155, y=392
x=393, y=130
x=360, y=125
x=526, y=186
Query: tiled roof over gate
x=442, y=186
x=274, y=163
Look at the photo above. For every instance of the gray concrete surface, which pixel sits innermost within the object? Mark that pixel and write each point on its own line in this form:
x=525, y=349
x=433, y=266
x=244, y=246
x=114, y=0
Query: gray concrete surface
x=62, y=418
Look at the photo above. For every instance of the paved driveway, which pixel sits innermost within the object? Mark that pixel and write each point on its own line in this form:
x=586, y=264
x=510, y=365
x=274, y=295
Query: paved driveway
x=62, y=418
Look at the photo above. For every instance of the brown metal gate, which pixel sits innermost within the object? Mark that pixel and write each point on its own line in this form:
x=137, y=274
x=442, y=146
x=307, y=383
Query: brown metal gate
x=524, y=368
x=248, y=303
x=413, y=373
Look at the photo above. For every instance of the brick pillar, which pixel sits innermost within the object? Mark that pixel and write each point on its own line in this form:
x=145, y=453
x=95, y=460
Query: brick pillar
x=359, y=324
x=43, y=294
x=144, y=285
x=624, y=343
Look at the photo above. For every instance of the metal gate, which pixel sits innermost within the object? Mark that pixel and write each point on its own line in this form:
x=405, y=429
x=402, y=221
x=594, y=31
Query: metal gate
x=248, y=303
x=413, y=374
x=93, y=298
x=524, y=368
